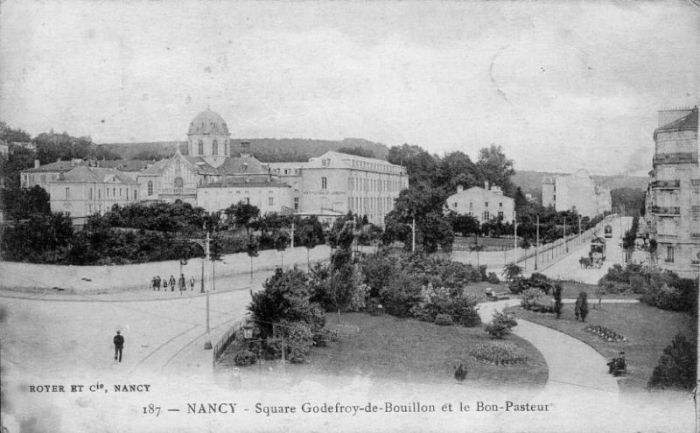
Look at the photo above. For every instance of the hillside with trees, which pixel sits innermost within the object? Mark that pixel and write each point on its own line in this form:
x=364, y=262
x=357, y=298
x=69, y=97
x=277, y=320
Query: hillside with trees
x=265, y=149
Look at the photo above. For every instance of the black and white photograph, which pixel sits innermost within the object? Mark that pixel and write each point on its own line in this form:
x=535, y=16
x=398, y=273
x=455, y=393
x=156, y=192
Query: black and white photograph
x=338, y=216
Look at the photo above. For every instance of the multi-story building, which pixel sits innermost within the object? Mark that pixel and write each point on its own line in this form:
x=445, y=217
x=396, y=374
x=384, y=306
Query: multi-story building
x=84, y=191
x=339, y=183
x=576, y=191
x=674, y=192
x=484, y=204
x=268, y=195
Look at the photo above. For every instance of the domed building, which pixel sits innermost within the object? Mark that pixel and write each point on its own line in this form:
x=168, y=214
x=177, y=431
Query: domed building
x=209, y=138
x=208, y=162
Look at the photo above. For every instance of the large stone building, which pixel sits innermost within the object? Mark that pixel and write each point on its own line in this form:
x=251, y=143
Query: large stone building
x=217, y=173
x=576, y=191
x=484, y=204
x=338, y=183
x=673, y=215
x=84, y=191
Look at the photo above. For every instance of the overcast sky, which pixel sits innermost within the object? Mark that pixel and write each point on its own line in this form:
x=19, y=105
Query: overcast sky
x=560, y=85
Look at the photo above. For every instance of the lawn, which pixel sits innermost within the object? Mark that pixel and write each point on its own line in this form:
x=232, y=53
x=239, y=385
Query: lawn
x=490, y=244
x=648, y=329
x=572, y=289
x=407, y=350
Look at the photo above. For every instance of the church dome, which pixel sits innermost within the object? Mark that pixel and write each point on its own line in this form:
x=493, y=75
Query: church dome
x=208, y=122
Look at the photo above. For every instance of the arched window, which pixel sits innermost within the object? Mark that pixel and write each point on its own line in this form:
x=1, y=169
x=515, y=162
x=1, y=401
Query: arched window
x=215, y=148
x=150, y=187
x=201, y=148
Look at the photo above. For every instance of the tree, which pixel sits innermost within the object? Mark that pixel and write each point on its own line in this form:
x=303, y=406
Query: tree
x=464, y=224
x=215, y=250
x=420, y=165
x=457, y=168
x=357, y=150
x=307, y=238
x=513, y=274
x=243, y=214
x=496, y=168
x=252, y=248
x=20, y=203
x=343, y=277
x=285, y=297
x=281, y=241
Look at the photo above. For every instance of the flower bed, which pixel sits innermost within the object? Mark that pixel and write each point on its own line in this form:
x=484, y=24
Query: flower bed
x=499, y=353
x=605, y=333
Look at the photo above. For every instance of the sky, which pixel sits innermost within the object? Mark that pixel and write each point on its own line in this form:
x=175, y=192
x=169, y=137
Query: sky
x=559, y=85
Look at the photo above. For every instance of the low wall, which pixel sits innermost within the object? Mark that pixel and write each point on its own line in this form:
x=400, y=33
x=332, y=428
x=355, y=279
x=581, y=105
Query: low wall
x=98, y=279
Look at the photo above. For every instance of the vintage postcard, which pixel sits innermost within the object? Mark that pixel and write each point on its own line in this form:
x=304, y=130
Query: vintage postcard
x=387, y=216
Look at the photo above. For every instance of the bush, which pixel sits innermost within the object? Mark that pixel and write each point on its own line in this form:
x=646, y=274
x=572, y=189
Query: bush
x=493, y=278
x=443, y=320
x=322, y=338
x=532, y=298
x=286, y=297
x=499, y=353
x=677, y=366
x=245, y=357
x=501, y=325
x=401, y=296
x=272, y=348
x=482, y=273
x=299, y=339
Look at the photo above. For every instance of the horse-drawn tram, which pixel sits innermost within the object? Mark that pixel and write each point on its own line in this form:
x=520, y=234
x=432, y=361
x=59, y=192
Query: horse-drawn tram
x=596, y=255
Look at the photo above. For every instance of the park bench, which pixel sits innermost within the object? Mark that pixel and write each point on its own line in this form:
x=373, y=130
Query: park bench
x=496, y=296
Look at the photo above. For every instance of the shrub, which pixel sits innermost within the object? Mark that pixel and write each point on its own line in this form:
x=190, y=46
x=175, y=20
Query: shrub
x=532, y=298
x=443, y=320
x=501, y=325
x=499, y=353
x=322, y=338
x=299, y=339
x=272, y=348
x=677, y=366
x=461, y=309
x=401, y=296
x=245, y=357
x=286, y=297
x=493, y=278
x=482, y=272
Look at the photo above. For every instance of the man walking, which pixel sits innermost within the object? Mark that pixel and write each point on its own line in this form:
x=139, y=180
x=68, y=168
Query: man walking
x=172, y=283
x=118, y=346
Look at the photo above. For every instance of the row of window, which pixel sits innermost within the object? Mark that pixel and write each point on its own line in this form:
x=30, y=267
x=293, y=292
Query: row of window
x=367, y=205
x=376, y=185
x=214, y=148
x=122, y=193
x=471, y=205
x=486, y=215
x=366, y=165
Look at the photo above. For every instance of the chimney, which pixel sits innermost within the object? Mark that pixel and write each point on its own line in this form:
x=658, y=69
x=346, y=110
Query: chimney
x=486, y=185
x=36, y=163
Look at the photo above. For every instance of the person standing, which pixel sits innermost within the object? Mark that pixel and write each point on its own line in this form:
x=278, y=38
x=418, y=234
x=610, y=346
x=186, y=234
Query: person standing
x=182, y=283
x=172, y=283
x=118, y=346
x=158, y=282
x=191, y=283
x=153, y=283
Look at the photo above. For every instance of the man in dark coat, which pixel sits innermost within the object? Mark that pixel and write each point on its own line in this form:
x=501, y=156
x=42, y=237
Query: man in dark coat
x=182, y=283
x=172, y=283
x=118, y=346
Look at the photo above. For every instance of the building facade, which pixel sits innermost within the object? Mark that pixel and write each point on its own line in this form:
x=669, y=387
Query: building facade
x=484, y=204
x=578, y=192
x=267, y=195
x=338, y=183
x=85, y=191
x=673, y=215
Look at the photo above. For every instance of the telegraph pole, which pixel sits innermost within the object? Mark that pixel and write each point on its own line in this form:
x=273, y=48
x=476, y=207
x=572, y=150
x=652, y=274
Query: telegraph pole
x=566, y=243
x=207, y=343
x=413, y=244
x=515, y=237
x=537, y=244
